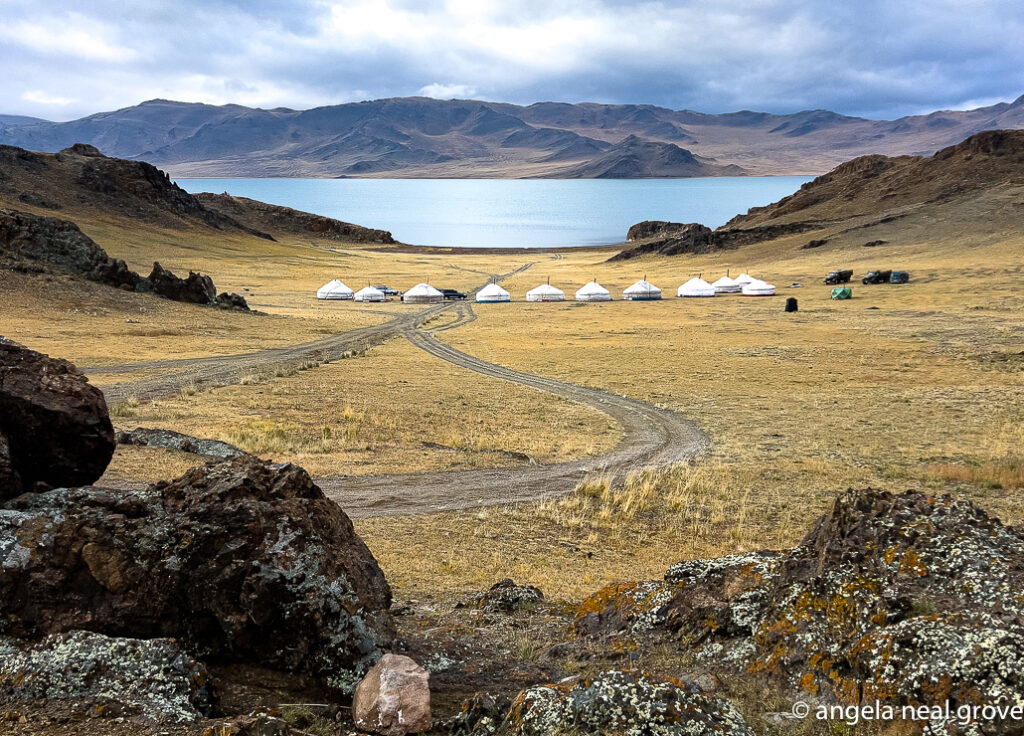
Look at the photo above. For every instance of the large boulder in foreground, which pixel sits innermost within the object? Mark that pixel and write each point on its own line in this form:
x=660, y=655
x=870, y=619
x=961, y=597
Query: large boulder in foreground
x=622, y=702
x=153, y=677
x=883, y=594
x=54, y=426
x=243, y=560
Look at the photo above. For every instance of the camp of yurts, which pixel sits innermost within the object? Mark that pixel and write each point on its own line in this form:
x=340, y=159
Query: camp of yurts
x=593, y=292
x=642, y=291
x=369, y=294
x=726, y=285
x=545, y=293
x=334, y=290
x=759, y=288
x=492, y=293
x=696, y=287
x=744, y=278
x=422, y=294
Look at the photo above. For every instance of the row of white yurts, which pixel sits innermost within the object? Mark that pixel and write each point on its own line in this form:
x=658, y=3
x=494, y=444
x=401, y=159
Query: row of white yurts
x=592, y=291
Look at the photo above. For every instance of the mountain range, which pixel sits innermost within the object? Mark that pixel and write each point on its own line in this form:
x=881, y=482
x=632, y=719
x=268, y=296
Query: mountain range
x=416, y=137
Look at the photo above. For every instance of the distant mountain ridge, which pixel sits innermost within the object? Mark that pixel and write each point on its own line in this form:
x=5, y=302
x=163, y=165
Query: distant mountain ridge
x=424, y=137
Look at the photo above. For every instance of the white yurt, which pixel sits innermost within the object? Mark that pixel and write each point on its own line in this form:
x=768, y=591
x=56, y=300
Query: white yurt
x=726, y=285
x=492, y=293
x=369, y=294
x=545, y=293
x=744, y=278
x=759, y=288
x=642, y=291
x=334, y=290
x=593, y=292
x=422, y=294
x=696, y=287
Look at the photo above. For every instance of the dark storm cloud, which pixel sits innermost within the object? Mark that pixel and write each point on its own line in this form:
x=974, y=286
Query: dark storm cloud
x=64, y=58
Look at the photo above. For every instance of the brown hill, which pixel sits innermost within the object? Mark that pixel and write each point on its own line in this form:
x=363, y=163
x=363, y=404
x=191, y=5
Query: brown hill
x=635, y=158
x=874, y=184
x=975, y=185
x=284, y=220
x=80, y=180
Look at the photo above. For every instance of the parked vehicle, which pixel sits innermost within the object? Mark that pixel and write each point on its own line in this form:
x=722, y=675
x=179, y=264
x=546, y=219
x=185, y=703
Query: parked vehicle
x=877, y=277
x=452, y=294
x=388, y=291
x=838, y=277
x=899, y=277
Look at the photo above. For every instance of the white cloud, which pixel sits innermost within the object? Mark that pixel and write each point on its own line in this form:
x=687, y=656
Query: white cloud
x=39, y=97
x=447, y=91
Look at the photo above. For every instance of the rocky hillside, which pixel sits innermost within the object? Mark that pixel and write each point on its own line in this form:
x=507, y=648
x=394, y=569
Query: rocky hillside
x=635, y=158
x=971, y=185
x=873, y=184
x=420, y=137
x=80, y=177
x=284, y=220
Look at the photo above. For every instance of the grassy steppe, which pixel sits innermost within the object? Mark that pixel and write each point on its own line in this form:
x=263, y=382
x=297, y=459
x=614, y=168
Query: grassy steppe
x=925, y=391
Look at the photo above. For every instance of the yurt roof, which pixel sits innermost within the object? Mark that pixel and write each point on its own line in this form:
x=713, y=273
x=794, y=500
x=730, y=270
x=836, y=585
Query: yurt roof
x=492, y=290
x=423, y=290
x=725, y=281
x=695, y=284
x=591, y=287
x=744, y=278
x=643, y=286
x=369, y=291
x=547, y=289
x=329, y=285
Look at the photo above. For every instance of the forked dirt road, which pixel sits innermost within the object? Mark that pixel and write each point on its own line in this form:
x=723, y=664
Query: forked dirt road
x=651, y=437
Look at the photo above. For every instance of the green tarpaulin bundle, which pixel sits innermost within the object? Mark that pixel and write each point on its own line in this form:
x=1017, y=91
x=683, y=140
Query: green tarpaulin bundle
x=842, y=292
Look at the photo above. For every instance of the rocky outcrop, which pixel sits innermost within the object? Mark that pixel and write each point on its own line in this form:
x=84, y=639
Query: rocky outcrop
x=673, y=239
x=394, y=698
x=242, y=560
x=506, y=597
x=628, y=703
x=54, y=426
x=154, y=677
x=882, y=595
x=170, y=440
x=196, y=288
x=59, y=243
x=285, y=220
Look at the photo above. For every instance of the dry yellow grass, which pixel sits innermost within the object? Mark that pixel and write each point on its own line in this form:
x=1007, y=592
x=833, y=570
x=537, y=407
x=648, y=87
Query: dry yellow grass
x=916, y=393
x=394, y=409
x=799, y=407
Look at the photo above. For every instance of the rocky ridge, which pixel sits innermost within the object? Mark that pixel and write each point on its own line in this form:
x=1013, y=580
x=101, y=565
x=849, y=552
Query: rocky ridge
x=26, y=238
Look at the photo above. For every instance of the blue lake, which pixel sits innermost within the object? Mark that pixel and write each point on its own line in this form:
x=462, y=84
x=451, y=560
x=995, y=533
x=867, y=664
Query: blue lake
x=512, y=213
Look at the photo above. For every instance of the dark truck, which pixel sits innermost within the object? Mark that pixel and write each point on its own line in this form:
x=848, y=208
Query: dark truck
x=877, y=277
x=899, y=277
x=388, y=291
x=838, y=277
x=452, y=294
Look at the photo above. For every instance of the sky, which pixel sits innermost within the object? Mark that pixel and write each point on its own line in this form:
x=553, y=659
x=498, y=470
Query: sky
x=64, y=59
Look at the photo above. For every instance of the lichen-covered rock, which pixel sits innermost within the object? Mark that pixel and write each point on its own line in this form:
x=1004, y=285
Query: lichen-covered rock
x=54, y=426
x=394, y=698
x=908, y=598
x=244, y=559
x=154, y=675
x=170, y=440
x=626, y=703
x=505, y=597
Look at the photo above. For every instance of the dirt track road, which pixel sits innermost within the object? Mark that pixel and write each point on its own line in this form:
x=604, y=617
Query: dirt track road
x=651, y=437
